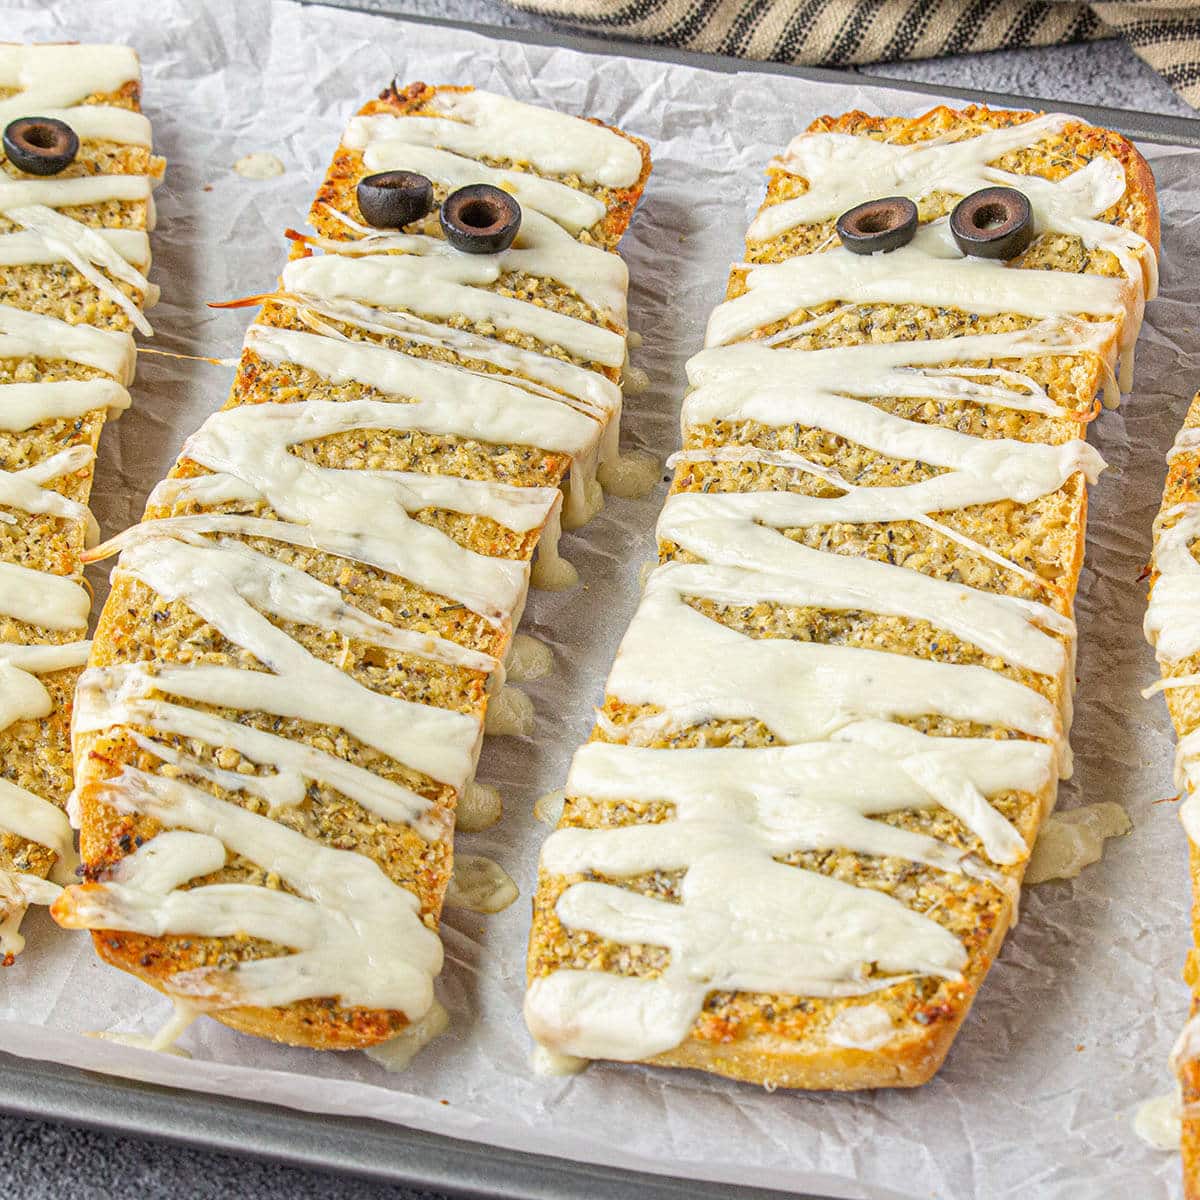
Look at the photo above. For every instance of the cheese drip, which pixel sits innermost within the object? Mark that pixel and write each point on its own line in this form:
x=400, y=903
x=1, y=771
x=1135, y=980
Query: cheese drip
x=841, y=756
x=351, y=932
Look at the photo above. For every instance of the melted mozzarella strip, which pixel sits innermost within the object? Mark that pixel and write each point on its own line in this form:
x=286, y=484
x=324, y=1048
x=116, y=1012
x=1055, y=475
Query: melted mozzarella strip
x=35, y=335
x=802, y=691
x=1050, y=467
x=813, y=936
x=1172, y=627
x=76, y=190
x=95, y=122
x=541, y=249
x=51, y=80
x=374, y=550
x=60, y=75
x=295, y=595
x=842, y=756
x=736, y=811
x=24, y=489
x=70, y=241
x=1187, y=441
x=100, y=705
x=445, y=286
x=447, y=400
x=552, y=378
x=251, y=445
x=799, y=576
x=882, y=369
x=812, y=796
x=231, y=588
x=1008, y=463
x=24, y=405
x=1172, y=622
x=355, y=934
x=26, y=249
x=483, y=124
x=42, y=599
x=29, y=816
x=928, y=271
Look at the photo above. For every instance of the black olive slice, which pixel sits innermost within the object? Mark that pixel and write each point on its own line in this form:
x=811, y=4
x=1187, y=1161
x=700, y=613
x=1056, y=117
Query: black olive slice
x=996, y=222
x=393, y=199
x=878, y=225
x=480, y=219
x=40, y=145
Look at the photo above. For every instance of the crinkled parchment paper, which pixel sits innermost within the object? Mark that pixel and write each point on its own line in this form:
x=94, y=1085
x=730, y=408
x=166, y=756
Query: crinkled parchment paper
x=1072, y=1029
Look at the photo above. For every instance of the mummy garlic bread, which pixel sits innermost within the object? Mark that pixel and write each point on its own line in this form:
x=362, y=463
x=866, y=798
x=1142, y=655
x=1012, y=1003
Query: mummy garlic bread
x=75, y=213
x=794, y=843
x=287, y=689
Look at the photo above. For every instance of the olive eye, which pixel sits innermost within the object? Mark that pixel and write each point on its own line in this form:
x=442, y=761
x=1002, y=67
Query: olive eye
x=393, y=199
x=996, y=222
x=480, y=219
x=40, y=145
x=878, y=225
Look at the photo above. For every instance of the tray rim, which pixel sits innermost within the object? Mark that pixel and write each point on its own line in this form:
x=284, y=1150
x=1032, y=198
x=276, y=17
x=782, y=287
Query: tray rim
x=37, y=1089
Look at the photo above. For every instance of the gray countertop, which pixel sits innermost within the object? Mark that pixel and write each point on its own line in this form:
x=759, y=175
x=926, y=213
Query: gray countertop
x=44, y=1161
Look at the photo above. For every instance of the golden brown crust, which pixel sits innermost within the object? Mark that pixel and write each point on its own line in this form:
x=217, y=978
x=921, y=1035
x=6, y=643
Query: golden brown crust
x=134, y=624
x=783, y=1040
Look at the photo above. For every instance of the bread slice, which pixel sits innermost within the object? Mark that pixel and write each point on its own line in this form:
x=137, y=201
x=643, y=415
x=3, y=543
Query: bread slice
x=70, y=298
x=792, y=847
x=1171, y=626
x=289, y=680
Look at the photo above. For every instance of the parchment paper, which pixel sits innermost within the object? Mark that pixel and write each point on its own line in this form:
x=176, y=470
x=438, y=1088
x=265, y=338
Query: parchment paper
x=1074, y=1024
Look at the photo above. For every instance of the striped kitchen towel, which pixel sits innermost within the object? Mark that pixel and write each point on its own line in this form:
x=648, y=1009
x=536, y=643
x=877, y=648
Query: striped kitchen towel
x=1165, y=33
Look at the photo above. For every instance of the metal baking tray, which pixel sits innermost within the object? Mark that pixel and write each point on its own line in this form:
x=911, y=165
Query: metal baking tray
x=392, y=1153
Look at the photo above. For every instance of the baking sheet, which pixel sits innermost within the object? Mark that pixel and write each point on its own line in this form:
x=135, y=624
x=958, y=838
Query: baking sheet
x=1073, y=1027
